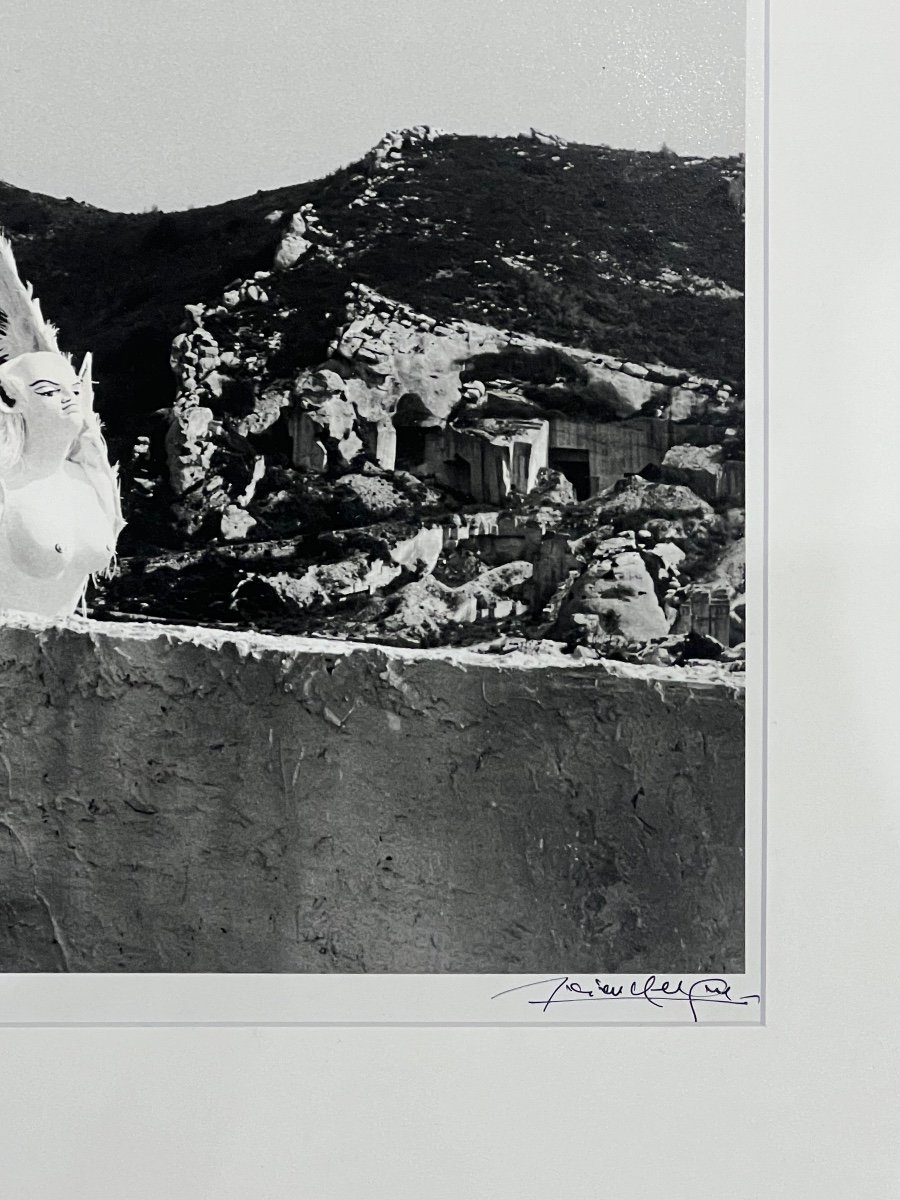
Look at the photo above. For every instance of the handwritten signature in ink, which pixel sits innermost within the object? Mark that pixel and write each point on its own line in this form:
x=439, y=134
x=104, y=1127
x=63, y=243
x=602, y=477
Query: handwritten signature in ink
x=650, y=989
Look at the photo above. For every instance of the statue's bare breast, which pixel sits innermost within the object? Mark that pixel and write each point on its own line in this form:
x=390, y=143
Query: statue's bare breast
x=54, y=524
x=53, y=534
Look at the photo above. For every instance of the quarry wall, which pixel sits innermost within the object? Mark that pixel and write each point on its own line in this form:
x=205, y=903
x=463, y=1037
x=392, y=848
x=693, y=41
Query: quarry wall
x=185, y=800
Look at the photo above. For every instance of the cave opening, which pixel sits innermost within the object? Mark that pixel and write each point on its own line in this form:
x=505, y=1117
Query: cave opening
x=575, y=465
x=410, y=447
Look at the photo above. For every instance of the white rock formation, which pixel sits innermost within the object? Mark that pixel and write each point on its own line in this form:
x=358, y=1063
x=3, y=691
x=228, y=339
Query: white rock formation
x=304, y=232
x=548, y=139
x=395, y=351
x=388, y=152
x=615, y=596
x=697, y=467
x=293, y=245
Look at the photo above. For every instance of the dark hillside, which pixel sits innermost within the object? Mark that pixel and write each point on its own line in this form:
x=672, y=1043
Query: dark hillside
x=635, y=254
x=117, y=283
x=598, y=222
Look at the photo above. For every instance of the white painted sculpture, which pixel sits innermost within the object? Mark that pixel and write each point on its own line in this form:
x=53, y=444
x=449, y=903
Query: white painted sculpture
x=60, y=514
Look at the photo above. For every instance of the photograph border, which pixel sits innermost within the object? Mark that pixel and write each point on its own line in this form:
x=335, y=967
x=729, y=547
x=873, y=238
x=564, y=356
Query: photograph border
x=349, y=1000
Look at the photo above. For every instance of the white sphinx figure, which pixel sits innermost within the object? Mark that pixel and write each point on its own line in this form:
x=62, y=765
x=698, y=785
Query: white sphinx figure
x=59, y=498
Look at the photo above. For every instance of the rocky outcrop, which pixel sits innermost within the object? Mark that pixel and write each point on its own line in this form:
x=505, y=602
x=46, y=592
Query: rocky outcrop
x=266, y=449
x=548, y=139
x=615, y=597
x=213, y=468
x=393, y=376
x=388, y=152
x=386, y=159
x=304, y=233
x=393, y=370
x=395, y=351
x=323, y=422
x=348, y=414
x=638, y=496
x=705, y=470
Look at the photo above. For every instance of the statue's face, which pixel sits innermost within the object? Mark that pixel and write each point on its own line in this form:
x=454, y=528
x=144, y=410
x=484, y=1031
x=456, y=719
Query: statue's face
x=44, y=385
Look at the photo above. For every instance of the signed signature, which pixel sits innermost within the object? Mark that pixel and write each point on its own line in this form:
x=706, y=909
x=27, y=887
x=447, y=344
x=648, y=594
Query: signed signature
x=651, y=989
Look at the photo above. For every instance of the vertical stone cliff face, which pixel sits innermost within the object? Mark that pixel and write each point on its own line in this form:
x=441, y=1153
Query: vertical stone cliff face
x=183, y=800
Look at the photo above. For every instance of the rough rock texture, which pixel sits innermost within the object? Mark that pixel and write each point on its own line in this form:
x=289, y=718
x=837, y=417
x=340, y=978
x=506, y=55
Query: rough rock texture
x=705, y=470
x=196, y=801
x=396, y=351
x=697, y=467
x=419, y=612
x=548, y=139
x=635, y=495
x=469, y=311
x=615, y=596
x=388, y=152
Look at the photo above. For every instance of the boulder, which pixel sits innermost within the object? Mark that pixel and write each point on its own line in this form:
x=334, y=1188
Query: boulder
x=700, y=645
x=669, y=553
x=293, y=245
x=267, y=408
x=548, y=139
x=425, y=608
x=613, y=598
x=319, y=587
x=188, y=448
x=415, y=548
x=698, y=467
x=636, y=496
x=236, y=523
x=364, y=499
x=552, y=487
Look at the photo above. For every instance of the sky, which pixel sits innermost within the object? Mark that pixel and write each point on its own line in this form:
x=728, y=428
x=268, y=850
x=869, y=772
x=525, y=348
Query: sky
x=180, y=103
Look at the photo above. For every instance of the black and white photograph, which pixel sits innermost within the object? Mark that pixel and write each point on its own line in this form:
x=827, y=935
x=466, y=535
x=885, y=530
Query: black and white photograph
x=448, y=599
x=375, y=498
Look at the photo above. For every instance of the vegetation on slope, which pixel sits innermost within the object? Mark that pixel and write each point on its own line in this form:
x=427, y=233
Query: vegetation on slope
x=569, y=244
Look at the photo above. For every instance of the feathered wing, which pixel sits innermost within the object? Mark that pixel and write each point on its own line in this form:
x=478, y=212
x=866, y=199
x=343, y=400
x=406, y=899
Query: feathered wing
x=23, y=329
x=91, y=454
x=87, y=382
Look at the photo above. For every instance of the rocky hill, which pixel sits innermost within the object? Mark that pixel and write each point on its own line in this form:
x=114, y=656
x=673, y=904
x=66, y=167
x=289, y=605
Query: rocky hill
x=464, y=388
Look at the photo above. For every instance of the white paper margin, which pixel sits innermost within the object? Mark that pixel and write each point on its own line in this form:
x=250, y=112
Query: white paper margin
x=220, y=999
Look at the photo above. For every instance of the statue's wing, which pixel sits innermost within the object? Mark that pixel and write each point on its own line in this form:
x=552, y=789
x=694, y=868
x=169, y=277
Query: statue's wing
x=22, y=326
x=87, y=384
x=91, y=454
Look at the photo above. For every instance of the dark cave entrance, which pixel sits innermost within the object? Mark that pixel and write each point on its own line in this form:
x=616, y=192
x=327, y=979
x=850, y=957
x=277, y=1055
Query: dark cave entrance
x=459, y=475
x=576, y=466
x=410, y=447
